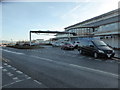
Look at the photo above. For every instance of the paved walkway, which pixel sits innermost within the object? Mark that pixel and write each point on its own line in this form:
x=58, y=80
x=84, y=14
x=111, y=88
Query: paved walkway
x=117, y=53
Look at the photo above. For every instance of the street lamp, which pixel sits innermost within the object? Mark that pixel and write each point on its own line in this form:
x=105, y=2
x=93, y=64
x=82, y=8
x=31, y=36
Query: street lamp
x=30, y=37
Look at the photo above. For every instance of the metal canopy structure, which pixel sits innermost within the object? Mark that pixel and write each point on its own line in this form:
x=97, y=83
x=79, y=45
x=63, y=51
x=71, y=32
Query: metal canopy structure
x=51, y=32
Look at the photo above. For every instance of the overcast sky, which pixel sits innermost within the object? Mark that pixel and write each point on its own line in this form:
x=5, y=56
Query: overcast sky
x=18, y=18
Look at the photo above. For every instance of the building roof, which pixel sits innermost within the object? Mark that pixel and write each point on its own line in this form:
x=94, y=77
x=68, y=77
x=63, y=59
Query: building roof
x=94, y=18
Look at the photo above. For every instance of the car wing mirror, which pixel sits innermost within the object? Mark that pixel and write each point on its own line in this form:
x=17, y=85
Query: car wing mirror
x=91, y=46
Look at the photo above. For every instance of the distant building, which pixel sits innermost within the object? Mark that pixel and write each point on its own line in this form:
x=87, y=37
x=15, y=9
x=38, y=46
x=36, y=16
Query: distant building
x=104, y=27
x=7, y=42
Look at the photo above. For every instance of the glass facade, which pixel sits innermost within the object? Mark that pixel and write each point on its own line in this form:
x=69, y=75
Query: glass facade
x=109, y=27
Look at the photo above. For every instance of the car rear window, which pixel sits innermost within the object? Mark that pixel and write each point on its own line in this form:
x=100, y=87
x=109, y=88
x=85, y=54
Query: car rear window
x=84, y=43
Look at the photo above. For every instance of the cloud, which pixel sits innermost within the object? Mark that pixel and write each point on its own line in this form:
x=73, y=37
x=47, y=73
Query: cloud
x=71, y=11
x=88, y=9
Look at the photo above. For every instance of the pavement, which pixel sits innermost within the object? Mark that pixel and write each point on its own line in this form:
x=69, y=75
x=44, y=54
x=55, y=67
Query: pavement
x=51, y=67
x=117, y=54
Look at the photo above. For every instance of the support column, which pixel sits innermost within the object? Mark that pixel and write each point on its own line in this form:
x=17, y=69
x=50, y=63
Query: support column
x=30, y=37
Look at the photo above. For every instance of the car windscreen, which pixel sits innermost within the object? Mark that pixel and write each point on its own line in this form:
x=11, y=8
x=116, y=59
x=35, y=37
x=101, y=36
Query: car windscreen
x=68, y=44
x=99, y=43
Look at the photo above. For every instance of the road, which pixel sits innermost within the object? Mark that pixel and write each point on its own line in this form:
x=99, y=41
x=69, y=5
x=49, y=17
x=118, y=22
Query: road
x=56, y=68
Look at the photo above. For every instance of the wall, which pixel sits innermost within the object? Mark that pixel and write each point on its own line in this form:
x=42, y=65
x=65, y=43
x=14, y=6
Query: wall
x=112, y=41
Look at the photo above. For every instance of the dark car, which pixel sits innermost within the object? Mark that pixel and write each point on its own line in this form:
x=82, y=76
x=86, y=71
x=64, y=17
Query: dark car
x=97, y=48
x=67, y=45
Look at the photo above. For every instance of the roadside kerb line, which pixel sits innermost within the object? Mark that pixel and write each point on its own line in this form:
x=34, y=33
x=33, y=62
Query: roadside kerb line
x=95, y=70
x=14, y=82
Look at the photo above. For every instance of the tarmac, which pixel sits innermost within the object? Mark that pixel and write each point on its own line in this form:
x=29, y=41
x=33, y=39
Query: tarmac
x=117, y=54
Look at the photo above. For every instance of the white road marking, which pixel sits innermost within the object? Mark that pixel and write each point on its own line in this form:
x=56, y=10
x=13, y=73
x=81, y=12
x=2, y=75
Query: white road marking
x=62, y=63
x=46, y=59
x=19, y=72
x=5, y=70
x=9, y=74
x=6, y=60
x=38, y=82
x=42, y=58
x=9, y=66
x=5, y=64
x=94, y=70
x=26, y=75
x=13, y=68
x=81, y=67
x=13, y=83
x=13, y=52
x=84, y=68
x=29, y=77
x=15, y=78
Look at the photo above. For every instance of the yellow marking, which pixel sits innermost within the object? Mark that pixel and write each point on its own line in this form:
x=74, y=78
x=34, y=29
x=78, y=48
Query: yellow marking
x=5, y=60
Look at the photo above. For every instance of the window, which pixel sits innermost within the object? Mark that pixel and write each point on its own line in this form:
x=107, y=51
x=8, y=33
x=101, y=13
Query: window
x=90, y=43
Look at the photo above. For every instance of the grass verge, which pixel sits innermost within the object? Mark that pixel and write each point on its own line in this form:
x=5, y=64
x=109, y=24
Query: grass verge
x=25, y=47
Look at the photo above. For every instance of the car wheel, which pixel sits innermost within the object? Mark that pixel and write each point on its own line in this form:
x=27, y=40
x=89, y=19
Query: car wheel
x=95, y=55
x=72, y=48
x=76, y=46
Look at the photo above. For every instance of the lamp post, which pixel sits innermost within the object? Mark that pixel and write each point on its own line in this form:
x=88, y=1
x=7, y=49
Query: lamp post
x=30, y=37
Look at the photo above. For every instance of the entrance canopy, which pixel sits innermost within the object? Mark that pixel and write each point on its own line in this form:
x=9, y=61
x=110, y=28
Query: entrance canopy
x=53, y=32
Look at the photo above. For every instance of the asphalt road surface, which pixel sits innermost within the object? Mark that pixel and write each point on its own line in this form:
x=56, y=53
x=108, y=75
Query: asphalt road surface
x=52, y=67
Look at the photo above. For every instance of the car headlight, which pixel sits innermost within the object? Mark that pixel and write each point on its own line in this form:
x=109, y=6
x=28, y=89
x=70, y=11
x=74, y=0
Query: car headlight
x=113, y=51
x=100, y=51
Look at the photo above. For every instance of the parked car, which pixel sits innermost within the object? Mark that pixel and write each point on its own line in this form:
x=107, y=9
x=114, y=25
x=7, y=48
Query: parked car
x=76, y=44
x=97, y=48
x=67, y=45
x=55, y=44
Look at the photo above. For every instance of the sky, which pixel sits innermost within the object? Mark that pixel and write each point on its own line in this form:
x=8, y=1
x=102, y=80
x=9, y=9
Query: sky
x=18, y=18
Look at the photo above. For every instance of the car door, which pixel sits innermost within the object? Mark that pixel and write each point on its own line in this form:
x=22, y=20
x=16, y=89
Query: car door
x=91, y=48
x=85, y=47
